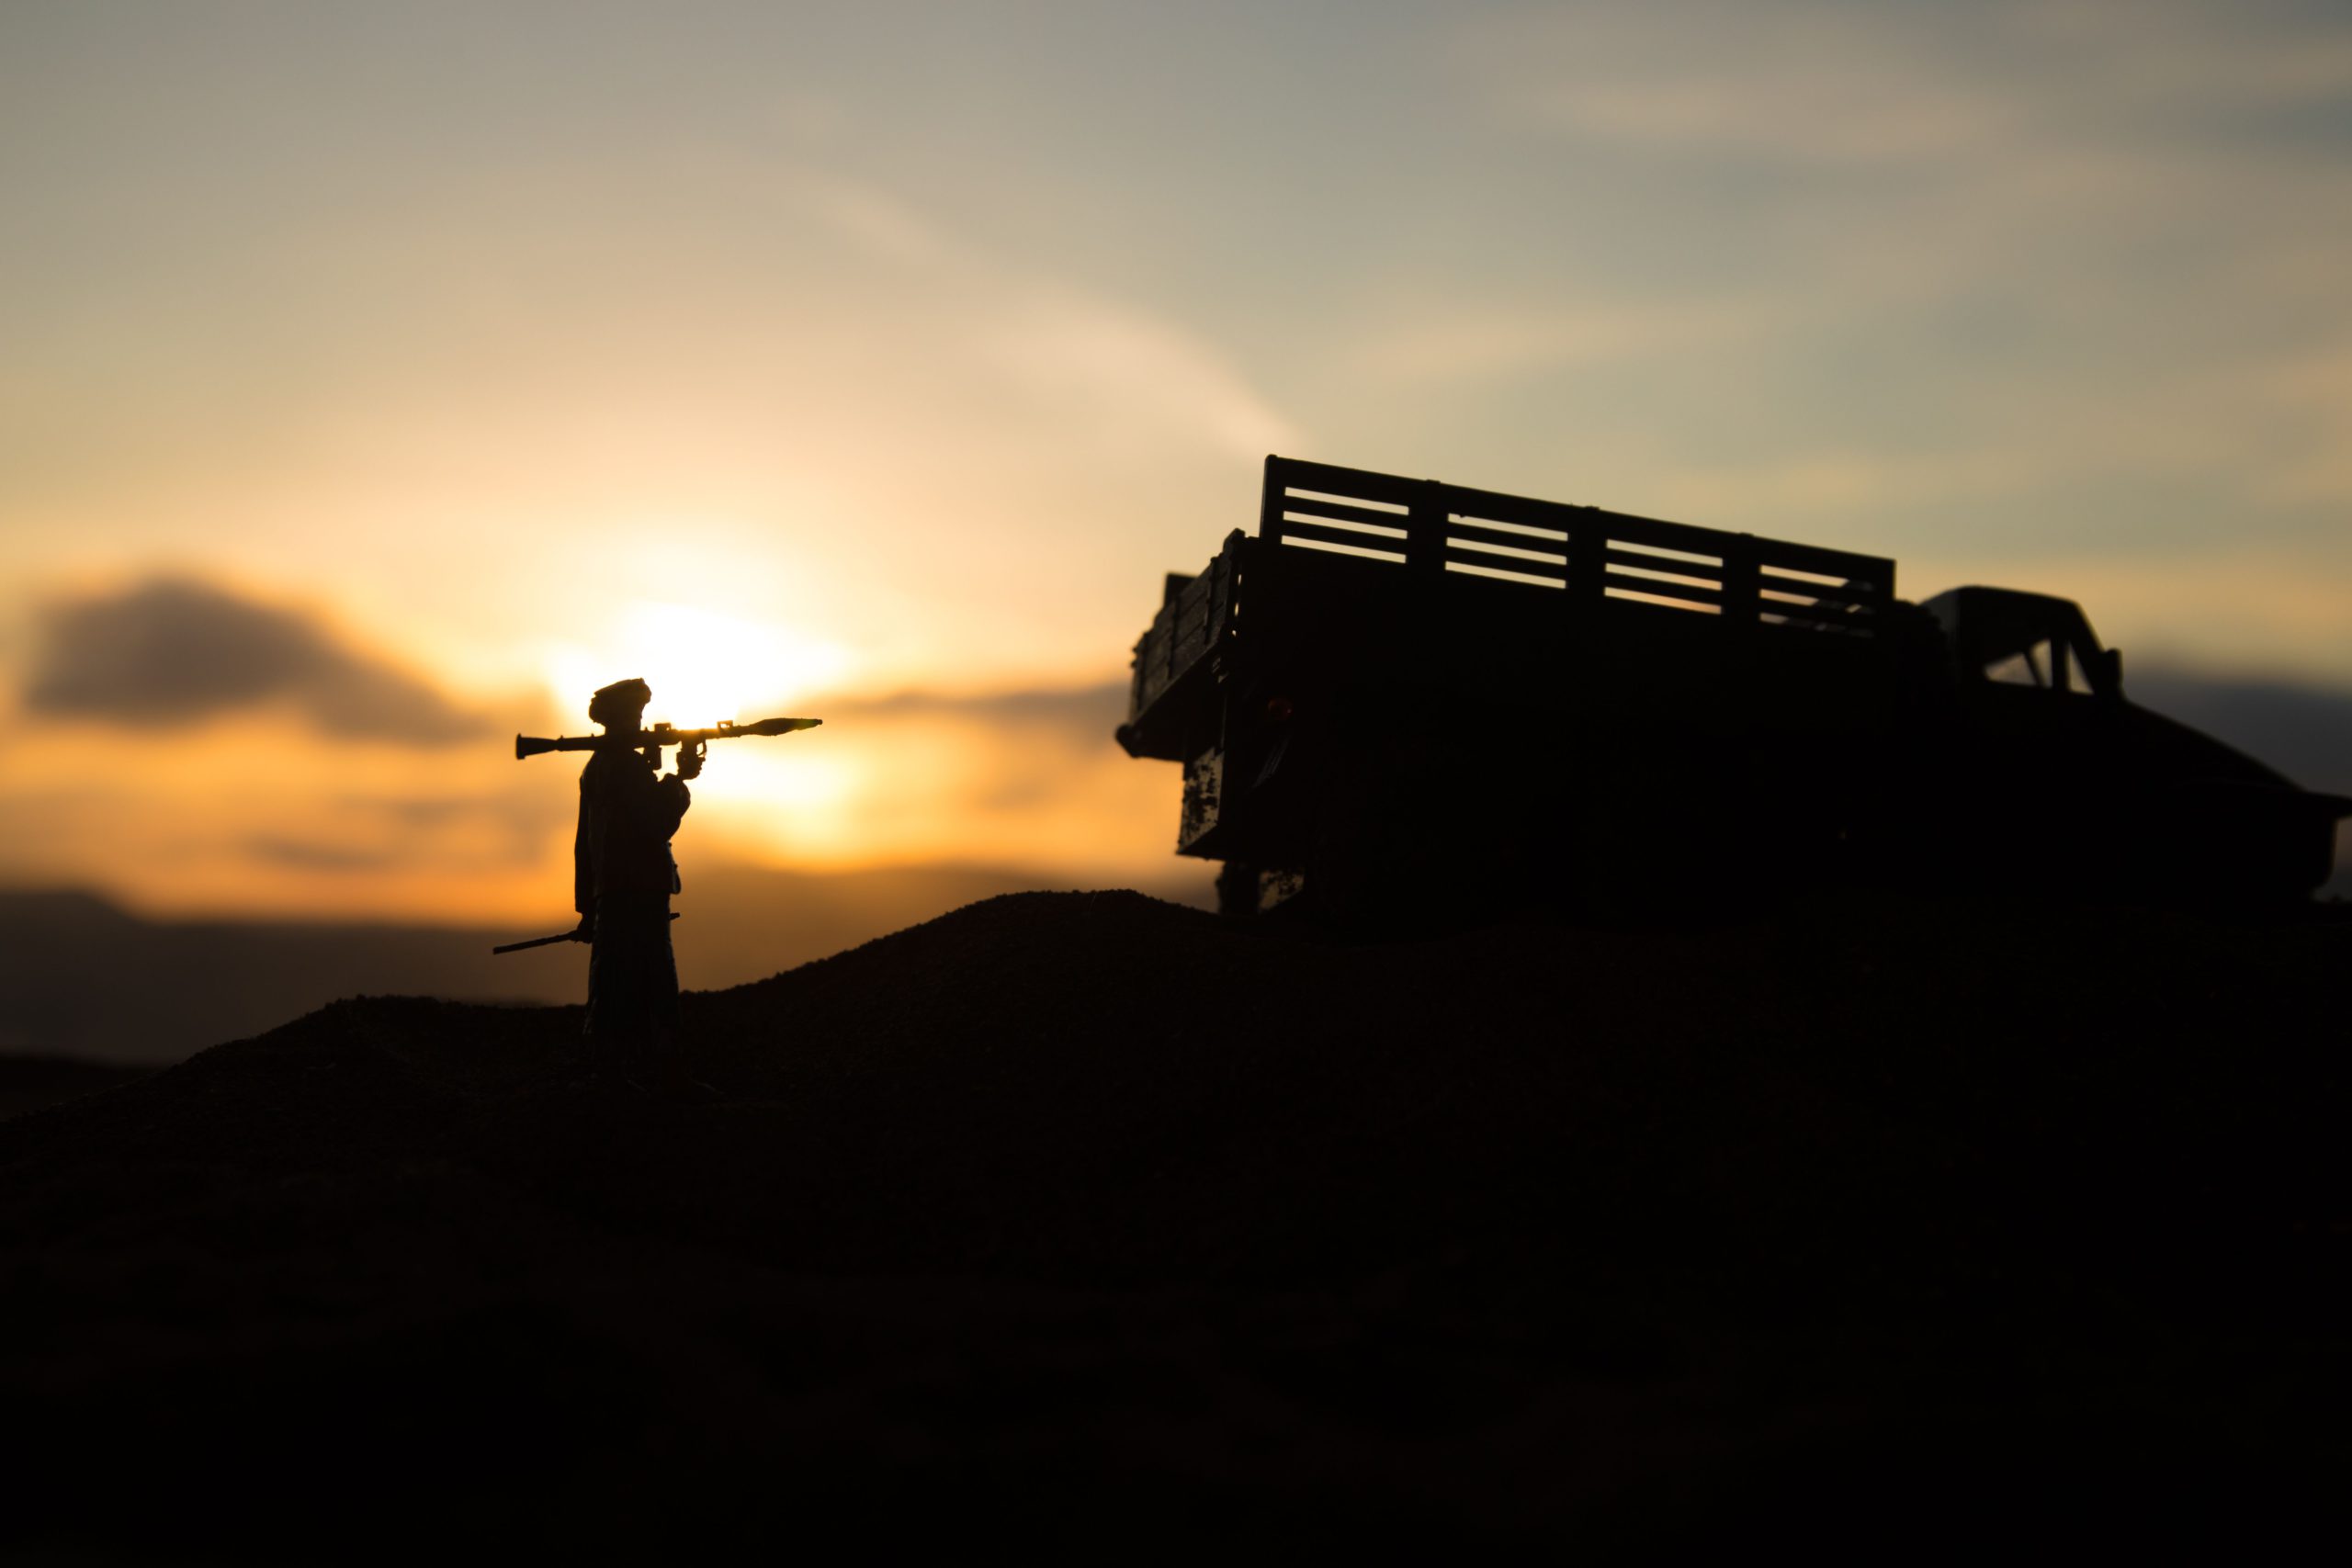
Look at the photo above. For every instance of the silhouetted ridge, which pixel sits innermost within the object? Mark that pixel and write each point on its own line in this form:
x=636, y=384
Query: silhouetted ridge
x=1066, y=1210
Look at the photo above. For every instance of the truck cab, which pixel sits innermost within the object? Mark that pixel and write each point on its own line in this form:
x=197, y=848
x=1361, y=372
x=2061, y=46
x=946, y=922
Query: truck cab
x=2044, y=768
x=2003, y=638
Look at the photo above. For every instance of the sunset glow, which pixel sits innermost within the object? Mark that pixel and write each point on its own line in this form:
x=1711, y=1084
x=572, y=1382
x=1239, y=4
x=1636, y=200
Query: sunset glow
x=817, y=361
x=704, y=666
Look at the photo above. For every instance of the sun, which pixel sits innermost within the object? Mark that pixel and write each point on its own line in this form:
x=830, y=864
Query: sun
x=703, y=665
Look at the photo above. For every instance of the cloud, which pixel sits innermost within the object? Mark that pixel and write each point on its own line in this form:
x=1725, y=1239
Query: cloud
x=2304, y=731
x=172, y=652
x=1461, y=343
x=1108, y=370
x=304, y=854
x=1831, y=82
x=1087, y=713
x=874, y=220
x=1027, y=776
x=456, y=835
x=2307, y=398
x=1131, y=376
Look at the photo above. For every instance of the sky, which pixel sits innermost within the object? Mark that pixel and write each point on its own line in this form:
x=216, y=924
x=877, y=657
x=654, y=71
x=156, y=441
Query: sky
x=381, y=380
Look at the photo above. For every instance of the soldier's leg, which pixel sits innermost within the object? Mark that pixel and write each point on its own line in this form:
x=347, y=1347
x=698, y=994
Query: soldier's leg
x=664, y=1044
x=635, y=988
x=610, y=1003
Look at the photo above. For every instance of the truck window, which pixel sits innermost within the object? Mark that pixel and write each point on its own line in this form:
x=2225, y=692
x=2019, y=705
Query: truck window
x=2078, y=672
x=2031, y=666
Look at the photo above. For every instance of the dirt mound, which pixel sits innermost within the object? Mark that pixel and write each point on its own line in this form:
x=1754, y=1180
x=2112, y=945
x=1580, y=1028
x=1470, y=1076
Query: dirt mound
x=1066, y=1213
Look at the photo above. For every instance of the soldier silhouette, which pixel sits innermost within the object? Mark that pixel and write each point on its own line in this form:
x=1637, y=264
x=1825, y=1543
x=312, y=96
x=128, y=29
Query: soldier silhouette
x=623, y=876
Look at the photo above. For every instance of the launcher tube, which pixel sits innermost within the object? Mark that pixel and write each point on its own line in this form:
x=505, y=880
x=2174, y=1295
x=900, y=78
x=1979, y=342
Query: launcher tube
x=657, y=735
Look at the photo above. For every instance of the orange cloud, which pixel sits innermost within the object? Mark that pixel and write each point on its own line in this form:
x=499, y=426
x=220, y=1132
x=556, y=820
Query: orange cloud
x=171, y=653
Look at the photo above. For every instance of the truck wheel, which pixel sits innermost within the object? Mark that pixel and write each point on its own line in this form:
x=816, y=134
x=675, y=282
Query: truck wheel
x=1236, y=890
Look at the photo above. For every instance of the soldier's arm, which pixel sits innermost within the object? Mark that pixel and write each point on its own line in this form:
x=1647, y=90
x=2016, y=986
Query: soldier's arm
x=654, y=805
x=674, y=797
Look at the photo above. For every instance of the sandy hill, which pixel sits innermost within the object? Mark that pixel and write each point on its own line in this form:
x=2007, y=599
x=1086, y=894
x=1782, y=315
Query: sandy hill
x=89, y=980
x=1087, y=1224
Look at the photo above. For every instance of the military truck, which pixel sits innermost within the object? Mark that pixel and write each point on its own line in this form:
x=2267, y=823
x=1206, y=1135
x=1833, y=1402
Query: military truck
x=1407, y=697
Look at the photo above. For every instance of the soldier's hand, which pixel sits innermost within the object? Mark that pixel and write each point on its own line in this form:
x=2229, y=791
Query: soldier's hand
x=690, y=764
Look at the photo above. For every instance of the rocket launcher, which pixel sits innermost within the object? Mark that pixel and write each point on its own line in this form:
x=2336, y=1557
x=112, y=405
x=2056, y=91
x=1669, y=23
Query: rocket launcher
x=655, y=736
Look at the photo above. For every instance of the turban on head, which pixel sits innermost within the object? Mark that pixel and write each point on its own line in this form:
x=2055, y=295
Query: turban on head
x=621, y=696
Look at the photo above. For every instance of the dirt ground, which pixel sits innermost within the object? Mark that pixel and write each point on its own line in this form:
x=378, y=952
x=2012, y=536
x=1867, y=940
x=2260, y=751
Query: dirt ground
x=1081, y=1225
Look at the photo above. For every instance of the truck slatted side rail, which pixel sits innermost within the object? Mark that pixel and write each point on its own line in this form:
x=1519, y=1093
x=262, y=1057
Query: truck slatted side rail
x=1193, y=615
x=1586, y=554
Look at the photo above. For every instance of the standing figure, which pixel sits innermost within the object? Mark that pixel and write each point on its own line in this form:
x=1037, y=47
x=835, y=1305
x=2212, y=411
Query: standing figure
x=623, y=876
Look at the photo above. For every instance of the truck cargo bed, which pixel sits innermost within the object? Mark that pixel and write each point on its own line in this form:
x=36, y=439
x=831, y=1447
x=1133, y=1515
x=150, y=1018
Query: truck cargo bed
x=1569, y=608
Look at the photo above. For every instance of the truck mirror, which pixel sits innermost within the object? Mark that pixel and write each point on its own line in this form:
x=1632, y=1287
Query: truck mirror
x=2111, y=671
